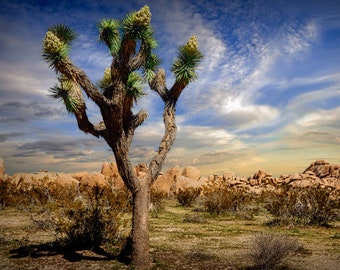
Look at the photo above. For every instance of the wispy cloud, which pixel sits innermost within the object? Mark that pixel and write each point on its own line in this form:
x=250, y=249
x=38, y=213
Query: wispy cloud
x=268, y=85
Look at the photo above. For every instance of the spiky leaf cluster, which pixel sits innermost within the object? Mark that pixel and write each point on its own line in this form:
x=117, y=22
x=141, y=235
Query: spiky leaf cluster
x=136, y=26
x=106, y=81
x=187, y=61
x=134, y=86
x=109, y=34
x=57, y=43
x=151, y=64
x=64, y=33
x=68, y=92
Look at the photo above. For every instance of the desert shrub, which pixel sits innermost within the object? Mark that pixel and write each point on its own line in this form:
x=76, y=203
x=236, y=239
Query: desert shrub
x=220, y=198
x=268, y=250
x=305, y=206
x=187, y=196
x=88, y=218
x=156, y=201
x=36, y=193
x=8, y=194
x=194, y=218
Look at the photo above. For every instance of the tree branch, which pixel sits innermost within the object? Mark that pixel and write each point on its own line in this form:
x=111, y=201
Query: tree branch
x=176, y=90
x=158, y=84
x=85, y=125
x=138, y=60
x=167, y=140
x=136, y=121
x=66, y=67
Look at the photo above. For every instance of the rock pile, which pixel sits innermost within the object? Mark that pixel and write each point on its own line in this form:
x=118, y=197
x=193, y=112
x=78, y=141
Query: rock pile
x=319, y=172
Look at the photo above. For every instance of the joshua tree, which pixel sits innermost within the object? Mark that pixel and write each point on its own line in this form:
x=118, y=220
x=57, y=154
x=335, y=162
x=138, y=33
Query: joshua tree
x=131, y=43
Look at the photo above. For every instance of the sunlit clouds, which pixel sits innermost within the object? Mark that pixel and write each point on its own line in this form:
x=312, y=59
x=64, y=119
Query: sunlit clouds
x=267, y=95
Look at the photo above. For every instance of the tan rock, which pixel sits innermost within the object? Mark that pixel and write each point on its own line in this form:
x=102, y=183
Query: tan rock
x=191, y=172
x=260, y=174
x=78, y=175
x=229, y=175
x=253, y=182
x=66, y=179
x=295, y=176
x=42, y=178
x=167, y=181
x=93, y=179
x=109, y=169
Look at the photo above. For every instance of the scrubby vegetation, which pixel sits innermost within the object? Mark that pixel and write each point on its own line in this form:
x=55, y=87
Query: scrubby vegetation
x=212, y=221
x=268, y=250
x=220, y=198
x=187, y=196
x=305, y=206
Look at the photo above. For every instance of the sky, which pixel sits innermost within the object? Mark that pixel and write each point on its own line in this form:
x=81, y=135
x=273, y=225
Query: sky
x=267, y=95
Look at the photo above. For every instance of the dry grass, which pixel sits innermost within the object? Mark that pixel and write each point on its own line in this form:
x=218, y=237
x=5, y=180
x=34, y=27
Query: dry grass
x=215, y=242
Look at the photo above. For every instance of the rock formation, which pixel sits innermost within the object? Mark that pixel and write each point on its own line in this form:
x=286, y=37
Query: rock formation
x=319, y=172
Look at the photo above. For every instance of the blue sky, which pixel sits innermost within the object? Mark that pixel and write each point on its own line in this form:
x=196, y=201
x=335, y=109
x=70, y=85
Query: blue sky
x=267, y=97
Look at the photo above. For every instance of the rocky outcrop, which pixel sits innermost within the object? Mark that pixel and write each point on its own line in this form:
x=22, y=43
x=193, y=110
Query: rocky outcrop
x=110, y=171
x=176, y=178
x=42, y=178
x=191, y=173
x=323, y=169
x=320, y=173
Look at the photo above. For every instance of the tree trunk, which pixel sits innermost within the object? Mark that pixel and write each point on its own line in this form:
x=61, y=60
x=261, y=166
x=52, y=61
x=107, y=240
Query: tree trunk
x=140, y=227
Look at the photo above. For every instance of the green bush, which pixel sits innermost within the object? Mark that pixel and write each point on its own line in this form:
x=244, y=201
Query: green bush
x=156, y=201
x=220, y=198
x=305, y=206
x=93, y=220
x=268, y=250
x=187, y=196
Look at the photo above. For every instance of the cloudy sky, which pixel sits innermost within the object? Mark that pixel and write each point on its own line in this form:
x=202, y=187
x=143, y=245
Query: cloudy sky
x=267, y=97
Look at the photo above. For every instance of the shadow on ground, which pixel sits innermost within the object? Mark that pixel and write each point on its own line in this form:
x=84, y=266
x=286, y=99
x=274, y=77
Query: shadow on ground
x=69, y=254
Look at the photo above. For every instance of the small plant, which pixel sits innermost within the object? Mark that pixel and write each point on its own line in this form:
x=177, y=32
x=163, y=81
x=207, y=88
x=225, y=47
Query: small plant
x=156, y=201
x=86, y=218
x=220, y=198
x=306, y=206
x=187, y=196
x=8, y=194
x=268, y=250
x=194, y=218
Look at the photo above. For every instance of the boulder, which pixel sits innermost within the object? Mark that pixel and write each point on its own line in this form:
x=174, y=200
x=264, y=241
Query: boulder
x=166, y=183
x=93, y=179
x=191, y=172
x=42, y=178
x=66, y=179
x=110, y=172
x=228, y=175
x=259, y=175
x=110, y=169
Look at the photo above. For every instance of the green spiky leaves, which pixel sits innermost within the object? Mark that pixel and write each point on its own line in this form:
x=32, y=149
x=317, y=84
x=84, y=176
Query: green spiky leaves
x=68, y=92
x=109, y=34
x=134, y=86
x=187, y=61
x=136, y=25
x=151, y=64
x=106, y=81
x=57, y=44
x=64, y=33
